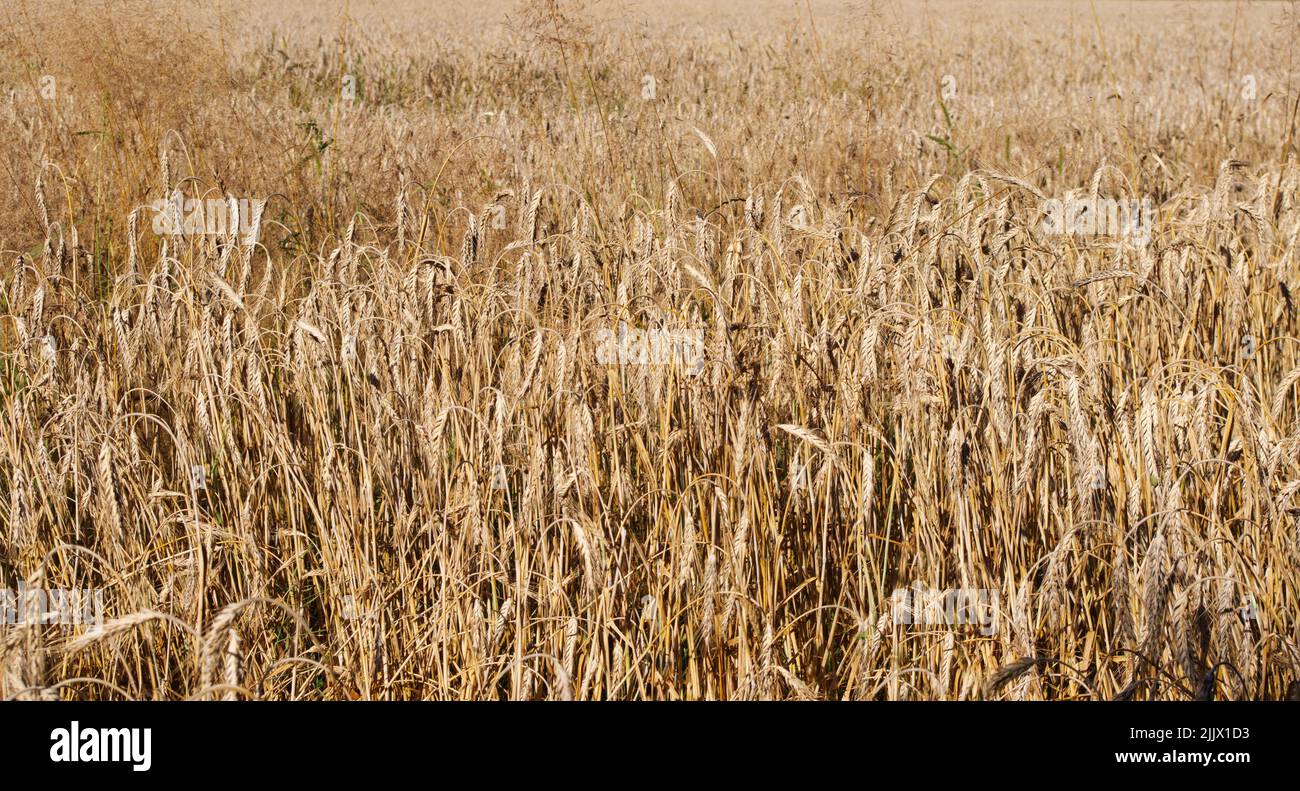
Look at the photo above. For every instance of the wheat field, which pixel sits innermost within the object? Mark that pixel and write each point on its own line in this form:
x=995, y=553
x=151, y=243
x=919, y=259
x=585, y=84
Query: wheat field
x=650, y=350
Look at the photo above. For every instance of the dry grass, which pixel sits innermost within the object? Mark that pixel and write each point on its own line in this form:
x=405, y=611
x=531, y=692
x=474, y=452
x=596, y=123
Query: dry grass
x=281, y=460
